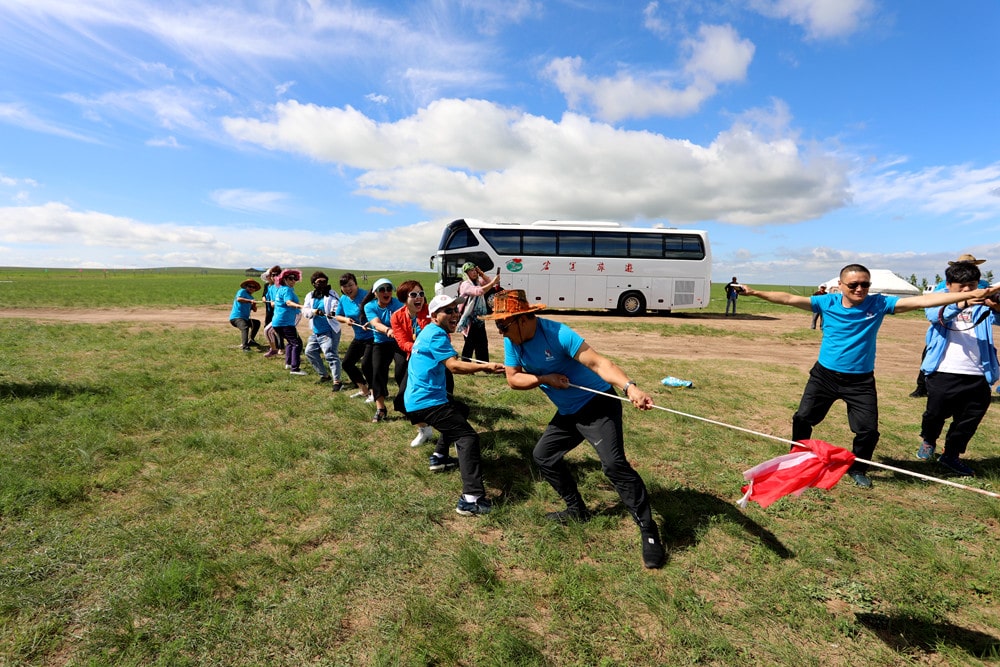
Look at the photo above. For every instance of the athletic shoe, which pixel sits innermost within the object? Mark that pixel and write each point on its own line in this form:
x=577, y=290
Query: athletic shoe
x=861, y=479
x=424, y=434
x=297, y=372
x=324, y=378
x=270, y=353
x=380, y=415
x=245, y=348
x=337, y=386
x=442, y=463
x=288, y=367
x=570, y=515
x=926, y=451
x=371, y=398
x=918, y=393
x=357, y=394
x=653, y=553
x=480, y=507
x=953, y=464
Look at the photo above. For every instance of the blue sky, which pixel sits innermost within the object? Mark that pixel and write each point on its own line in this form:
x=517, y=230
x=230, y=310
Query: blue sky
x=802, y=134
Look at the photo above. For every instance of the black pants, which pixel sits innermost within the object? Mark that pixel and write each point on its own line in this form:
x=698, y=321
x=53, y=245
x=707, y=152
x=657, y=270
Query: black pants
x=382, y=356
x=857, y=390
x=248, y=330
x=963, y=398
x=600, y=423
x=451, y=419
x=359, y=350
x=476, y=343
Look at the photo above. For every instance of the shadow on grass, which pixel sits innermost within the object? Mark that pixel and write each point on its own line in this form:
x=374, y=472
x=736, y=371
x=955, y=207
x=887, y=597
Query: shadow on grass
x=46, y=389
x=904, y=633
x=688, y=513
x=983, y=467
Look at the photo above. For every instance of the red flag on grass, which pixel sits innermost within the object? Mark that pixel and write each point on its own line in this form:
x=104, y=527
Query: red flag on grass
x=817, y=464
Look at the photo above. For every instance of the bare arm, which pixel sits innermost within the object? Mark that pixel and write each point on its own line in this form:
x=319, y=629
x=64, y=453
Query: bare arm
x=932, y=299
x=781, y=298
x=459, y=367
x=611, y=373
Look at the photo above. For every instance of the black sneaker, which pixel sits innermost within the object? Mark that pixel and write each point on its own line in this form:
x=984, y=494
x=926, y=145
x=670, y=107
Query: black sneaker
x=480, y=507
x=337, y=386
x=918, y=393
x=323, y=378
x=569, y=515
x=441, y=463
x=653, y=553
x=953, y=464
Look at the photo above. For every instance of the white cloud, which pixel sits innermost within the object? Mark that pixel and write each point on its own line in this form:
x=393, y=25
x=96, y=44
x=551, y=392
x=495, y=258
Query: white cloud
x=471, y=155
x=20, y=116
x=249, y=201
x=61, y=236
x=961, y=191
x=717, y=55
x=821, y=19
x=652, y=22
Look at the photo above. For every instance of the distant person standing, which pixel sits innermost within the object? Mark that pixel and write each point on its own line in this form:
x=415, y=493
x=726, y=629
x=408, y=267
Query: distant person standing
x=379, y=305
x=845, y=369
x=474, y=289
x=960, y=365
x=732, y=293
x=817, y=316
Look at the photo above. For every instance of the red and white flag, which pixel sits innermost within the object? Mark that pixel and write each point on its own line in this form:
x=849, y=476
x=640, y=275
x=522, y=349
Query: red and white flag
x=814, y=463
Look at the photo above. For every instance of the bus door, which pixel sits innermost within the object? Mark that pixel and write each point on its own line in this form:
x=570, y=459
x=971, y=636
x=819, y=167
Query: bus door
x=661, y=294
x=562, y=291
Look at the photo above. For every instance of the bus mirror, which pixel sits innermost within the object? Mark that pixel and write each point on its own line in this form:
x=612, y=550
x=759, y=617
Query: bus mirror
x=432, y=262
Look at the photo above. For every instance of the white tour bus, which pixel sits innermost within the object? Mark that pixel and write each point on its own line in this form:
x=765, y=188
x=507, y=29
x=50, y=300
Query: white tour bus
x=582, y=264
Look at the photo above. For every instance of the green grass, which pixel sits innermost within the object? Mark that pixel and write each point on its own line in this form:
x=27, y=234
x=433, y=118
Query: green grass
x=166, y=499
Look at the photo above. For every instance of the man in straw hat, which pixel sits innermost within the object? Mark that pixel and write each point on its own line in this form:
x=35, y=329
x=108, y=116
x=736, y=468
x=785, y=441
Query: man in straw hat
x=239, y=317
x=921, y=390
x=549, y=355
x=427, y=401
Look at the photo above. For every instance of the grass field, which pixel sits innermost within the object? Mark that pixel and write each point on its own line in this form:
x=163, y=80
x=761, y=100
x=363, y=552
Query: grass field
x=168, y=500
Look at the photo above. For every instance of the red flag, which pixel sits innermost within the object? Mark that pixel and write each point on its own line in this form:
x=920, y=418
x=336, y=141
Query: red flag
x=817, y=464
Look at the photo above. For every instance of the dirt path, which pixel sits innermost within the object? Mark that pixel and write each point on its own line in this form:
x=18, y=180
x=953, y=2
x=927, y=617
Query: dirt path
x=901, y=340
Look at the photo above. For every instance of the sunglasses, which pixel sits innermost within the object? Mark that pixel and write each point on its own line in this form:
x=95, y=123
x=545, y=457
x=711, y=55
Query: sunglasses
x=448, y=311
x=853, y=286
x=416, y=295
x=503, y=327
x=384, y=288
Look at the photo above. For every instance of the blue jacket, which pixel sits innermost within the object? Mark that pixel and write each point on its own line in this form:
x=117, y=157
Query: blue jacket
x=940, y=318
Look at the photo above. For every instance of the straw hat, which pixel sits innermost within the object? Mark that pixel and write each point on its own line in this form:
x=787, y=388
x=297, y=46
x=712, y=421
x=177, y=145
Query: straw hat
x=250, y=284
x=510, y=303
x=971, y=259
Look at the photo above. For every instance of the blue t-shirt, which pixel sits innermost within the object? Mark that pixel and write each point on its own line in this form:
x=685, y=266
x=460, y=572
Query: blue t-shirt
x=425, y=376
x=849, y=333
x=551, y=350
x=383, y=314
x=348, y=307
x=284, y=316
x=320, y=324
x=241, y=308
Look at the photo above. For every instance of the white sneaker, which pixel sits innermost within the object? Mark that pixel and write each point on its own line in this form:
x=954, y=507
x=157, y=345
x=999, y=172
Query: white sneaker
x=371, y=398
x=288, y=367
x=357, y=394
x=298, y=373
x=424, y=434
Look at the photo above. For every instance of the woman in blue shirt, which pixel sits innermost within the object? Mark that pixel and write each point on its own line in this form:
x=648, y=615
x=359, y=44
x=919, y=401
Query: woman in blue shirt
x=379, y=307
x=351, y=313
x=287, y=309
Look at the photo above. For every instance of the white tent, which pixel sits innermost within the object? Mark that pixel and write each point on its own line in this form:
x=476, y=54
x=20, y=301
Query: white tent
x=884, y=281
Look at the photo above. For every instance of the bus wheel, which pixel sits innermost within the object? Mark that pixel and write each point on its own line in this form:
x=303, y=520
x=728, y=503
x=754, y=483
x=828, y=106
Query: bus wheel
x=632, y=304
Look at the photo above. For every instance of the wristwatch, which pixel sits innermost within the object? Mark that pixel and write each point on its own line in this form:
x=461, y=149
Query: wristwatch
x=627, y=385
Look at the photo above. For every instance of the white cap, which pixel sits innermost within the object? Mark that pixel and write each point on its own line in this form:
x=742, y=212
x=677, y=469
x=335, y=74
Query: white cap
x=442, y=301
